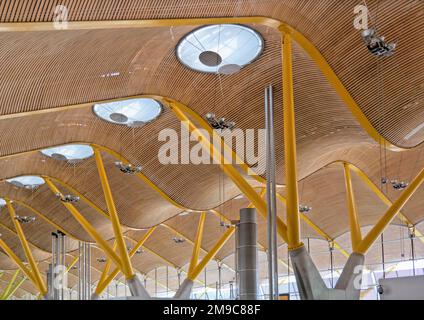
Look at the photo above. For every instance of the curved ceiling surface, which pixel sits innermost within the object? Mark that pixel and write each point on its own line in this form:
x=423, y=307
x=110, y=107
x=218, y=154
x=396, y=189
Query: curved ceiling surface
x=88, y=66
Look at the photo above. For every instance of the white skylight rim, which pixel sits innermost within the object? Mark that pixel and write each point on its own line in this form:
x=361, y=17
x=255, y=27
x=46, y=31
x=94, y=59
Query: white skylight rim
x=131, y=112
x=236, y=46
x=69, y=152
x=27, y=182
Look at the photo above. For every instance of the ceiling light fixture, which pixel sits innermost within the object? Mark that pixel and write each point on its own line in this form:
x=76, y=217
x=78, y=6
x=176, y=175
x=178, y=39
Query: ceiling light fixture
x=178, y=240
x=69, y=198
x=376, y=44
x=25, y=219
x=219, y=123
x=304, y=209
x=127, y=168
x=221, y=48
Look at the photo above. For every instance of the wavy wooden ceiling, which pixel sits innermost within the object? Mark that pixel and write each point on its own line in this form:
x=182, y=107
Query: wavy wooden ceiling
x=43, y=70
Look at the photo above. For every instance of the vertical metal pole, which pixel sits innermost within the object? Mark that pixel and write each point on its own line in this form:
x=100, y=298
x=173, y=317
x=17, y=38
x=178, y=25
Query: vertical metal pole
x=167, y=281
x=237, y=280
x=79, y=270
x=89, y=272
x=156, y=282
x=412, y=236
x=268, y=199
x=271, y=196
x=382, y=256
x=247, y=254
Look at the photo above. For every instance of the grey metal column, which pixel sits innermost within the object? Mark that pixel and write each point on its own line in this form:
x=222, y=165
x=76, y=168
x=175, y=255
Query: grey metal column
x=271, y=191
x=247, y=254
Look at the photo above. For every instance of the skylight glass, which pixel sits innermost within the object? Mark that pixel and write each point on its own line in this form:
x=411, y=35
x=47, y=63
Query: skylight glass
x=27, y=182
x=70, y=152
x=132, y=112
x=223, y=48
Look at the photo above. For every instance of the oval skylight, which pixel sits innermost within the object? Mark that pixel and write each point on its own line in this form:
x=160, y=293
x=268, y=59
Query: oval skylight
x=131, y=112
x=69, y=152
x=222, y=48
x=27, y=182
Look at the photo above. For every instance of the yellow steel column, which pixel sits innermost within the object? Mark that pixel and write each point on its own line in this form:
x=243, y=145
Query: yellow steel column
x=102, y=285
x=18, y=262
x=122, y=248
x=355, y=229
x=197, y=242
x=293, y=223
x=10, y=284
x=107, y=267
x=87, y=226
x=230, y=170
x=209, y=256
x=384, y=221
x=36, y=273
x=15, y=287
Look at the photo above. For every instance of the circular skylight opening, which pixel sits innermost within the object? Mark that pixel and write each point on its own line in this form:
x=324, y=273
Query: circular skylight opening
x=132, y=112
x=2, y=202
x=222, y=48
x=27, y=182
x=70, y=152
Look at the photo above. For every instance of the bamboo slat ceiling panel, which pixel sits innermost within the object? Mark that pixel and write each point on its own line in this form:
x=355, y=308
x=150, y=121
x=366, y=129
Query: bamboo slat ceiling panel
x=323, y=22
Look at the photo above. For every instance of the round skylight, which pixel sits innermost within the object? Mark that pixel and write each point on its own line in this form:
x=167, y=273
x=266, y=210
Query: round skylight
x=70, y=152
x=132, y=112
x=222, y=48
x=27, y=182
x=2, y=202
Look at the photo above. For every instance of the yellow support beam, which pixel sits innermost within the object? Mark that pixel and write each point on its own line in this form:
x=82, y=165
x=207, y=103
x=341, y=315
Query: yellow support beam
x=196, y=248
x=101, y=286
x=87, y=226
x=228, y=169
x=107, y=266
x=10, y=285
x=25, y=245
x=15, y=288
x=18, y=262
x=209, y=256
x=114, y=218
x=394, y=209
x=355, y=228
x=72, y=264
x=383, y=197
x=293, y=222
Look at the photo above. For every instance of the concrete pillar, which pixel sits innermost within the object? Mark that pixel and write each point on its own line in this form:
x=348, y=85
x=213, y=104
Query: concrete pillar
x=137, y=289
x=184, y=291
x=312, y=287
x=247, y=255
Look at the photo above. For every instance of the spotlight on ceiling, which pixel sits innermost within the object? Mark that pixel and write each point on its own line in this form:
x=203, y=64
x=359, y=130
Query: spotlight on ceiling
x=399, y=185
x=25, y=219
x=101, y=260
x=69, y=198
x=219, y=123
x=139, y=251
x=178, y=240
x=127, y=168
x=224, y=225
x=376, y=44
x=304, y=209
